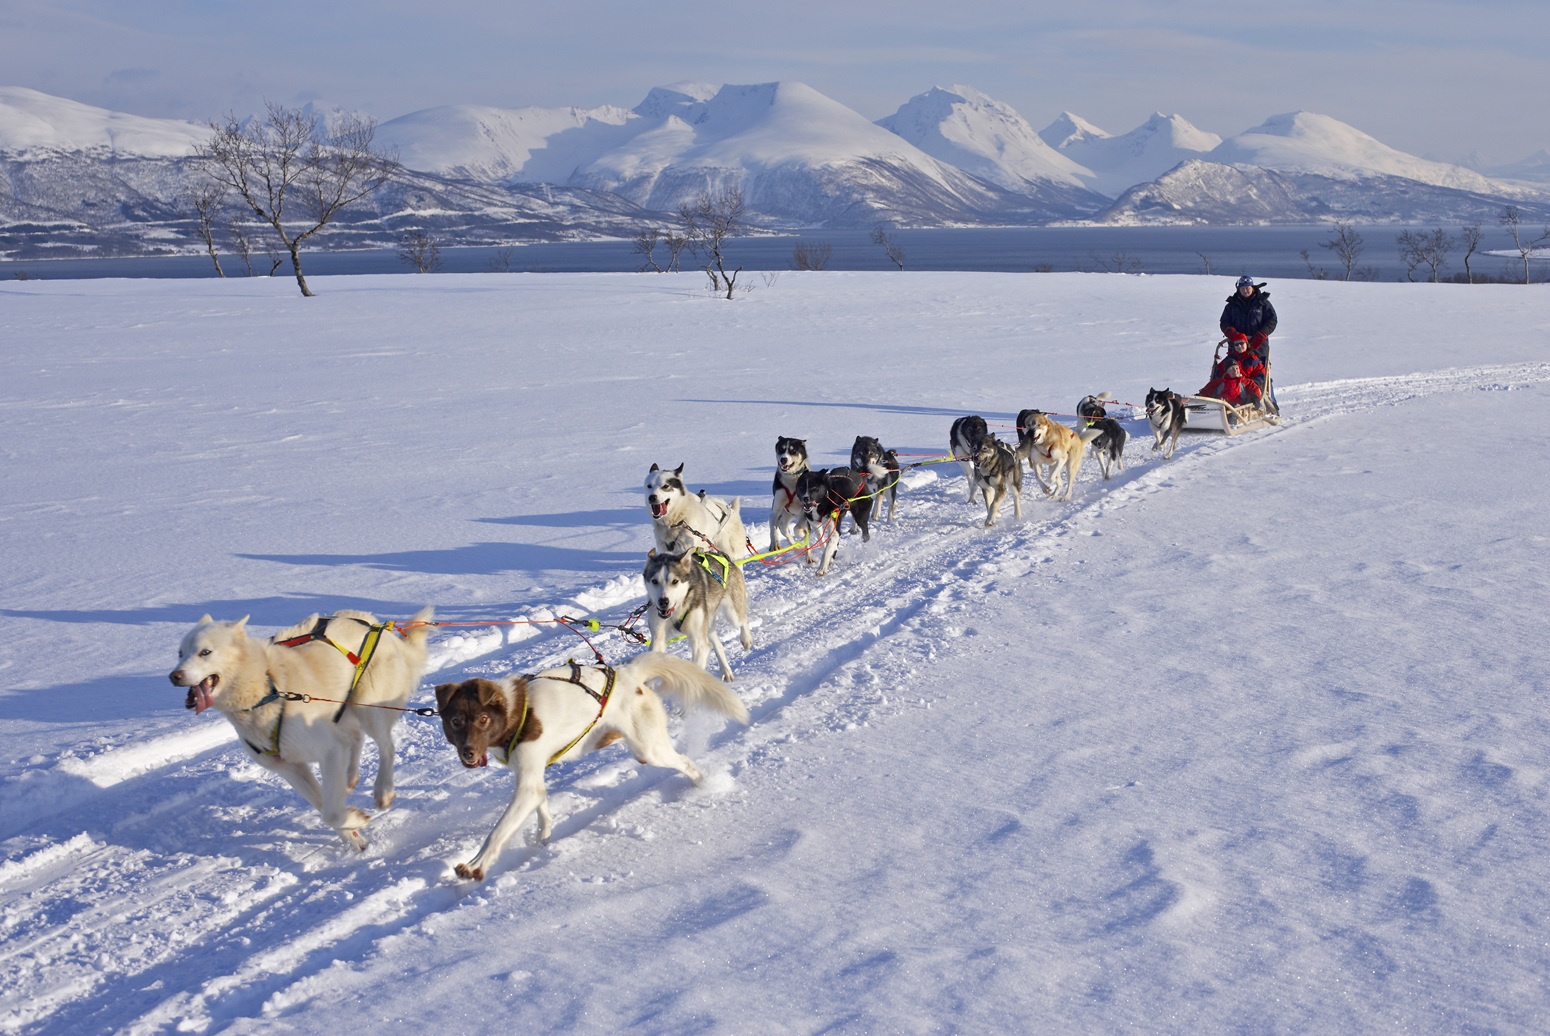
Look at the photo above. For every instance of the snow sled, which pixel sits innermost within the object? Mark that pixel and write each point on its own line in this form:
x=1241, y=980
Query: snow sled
x=1205, y=414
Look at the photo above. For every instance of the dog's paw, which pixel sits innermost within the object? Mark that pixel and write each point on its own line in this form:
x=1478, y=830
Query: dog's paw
x=384, y=800
x=468, y=873
x=354, y=839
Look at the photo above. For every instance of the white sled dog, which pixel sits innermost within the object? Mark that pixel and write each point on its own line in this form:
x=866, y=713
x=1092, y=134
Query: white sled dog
x=533, y=721
x=786, y=519
x=687, y=592
x=998, y=473
x=1165, y=413
x=1051, y=446
x=964, y=439
x=349, y=657
x=682, y=521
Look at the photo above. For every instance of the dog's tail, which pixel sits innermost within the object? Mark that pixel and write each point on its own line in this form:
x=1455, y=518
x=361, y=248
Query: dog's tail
x=418, y=632
x=692, y=686
x=1087, y=435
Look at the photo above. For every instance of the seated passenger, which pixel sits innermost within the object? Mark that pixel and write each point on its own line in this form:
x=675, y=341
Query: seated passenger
x=1232, y=387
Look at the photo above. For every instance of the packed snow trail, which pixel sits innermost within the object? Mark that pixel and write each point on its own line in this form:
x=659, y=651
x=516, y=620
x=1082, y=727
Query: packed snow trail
x=260, y=901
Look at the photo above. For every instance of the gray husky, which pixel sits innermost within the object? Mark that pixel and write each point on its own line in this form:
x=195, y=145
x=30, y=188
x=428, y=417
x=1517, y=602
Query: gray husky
x=687, y=591
x=998, y=470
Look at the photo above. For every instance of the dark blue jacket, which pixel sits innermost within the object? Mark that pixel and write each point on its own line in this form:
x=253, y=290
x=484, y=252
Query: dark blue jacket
x=1249, y=316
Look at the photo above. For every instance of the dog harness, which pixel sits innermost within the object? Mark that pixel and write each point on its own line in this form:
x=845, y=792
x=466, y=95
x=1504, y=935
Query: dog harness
x=360, y=661
x=609, y=677
x=274, y=695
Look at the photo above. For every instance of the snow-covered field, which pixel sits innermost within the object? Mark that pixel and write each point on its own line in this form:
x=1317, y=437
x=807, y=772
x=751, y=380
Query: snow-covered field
x=1251, y=740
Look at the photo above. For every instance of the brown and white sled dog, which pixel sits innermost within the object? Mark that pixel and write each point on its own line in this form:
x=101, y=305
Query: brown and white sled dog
x=964, y=439
x=881, y=466
x=786, y=519
x=530, y=722
x=998, y=473
x=681, y=520
x=687, y=592
x=1053, y=448
x=1165, y=413
x=246, y=679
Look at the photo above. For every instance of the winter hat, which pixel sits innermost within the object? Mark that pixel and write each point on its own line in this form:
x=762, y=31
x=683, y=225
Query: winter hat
x=1244, y=282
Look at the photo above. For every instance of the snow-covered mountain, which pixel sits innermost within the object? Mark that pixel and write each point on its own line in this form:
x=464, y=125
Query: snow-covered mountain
x=1146, y=152
x=80, y=180
x=33, y=123
x=1302, y=166
x=1305, y=142
x=799, y=157
x=965, y=128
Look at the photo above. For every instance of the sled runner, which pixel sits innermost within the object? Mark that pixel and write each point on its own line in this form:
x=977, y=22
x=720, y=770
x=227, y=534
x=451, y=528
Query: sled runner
x=1205, y=414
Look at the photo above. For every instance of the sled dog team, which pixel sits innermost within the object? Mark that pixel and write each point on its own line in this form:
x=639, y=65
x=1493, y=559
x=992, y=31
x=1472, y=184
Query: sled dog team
x=311, y=694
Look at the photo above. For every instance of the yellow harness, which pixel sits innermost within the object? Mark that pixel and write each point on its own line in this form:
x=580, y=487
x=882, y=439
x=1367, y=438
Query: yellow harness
x=609, y=678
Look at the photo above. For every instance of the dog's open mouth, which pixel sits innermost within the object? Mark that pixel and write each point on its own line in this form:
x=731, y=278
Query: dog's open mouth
x=664, y=609
x=200, y=694
x=474, y=764
x=658, y=508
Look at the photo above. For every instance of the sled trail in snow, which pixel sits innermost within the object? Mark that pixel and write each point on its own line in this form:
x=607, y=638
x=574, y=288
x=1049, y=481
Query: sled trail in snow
x=261, y=901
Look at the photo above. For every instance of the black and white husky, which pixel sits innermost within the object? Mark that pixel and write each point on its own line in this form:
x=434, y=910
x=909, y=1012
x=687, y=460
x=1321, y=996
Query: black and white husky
x=964, y=440
x=998, y=473
x=826, y=495
x=1091, y=408
x=1109, y=446
x=1165, y=413
x=684, y=521
x=686, y=592
x=786, y=519
x=869, y=457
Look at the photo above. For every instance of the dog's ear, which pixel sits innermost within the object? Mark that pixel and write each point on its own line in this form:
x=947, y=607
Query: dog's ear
x=444, y=693
x=655, y=468
x=679, y=471
x=205, y=619
x=489, y=691
x=651, y=553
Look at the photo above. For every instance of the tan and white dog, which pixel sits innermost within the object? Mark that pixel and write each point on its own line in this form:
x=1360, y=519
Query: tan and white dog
x=1051, y=447
x=257, y=685
x=531, y=722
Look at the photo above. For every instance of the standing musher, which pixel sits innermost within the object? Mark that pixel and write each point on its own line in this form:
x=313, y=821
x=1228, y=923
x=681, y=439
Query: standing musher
x=1249, y=316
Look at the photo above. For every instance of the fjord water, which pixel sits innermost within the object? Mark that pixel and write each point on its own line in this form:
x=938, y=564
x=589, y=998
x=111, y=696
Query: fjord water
x=1266, y=252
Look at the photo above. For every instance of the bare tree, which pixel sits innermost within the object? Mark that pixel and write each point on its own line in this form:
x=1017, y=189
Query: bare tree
x=419, y=249
x=891, y=247
x=1513, y=221
x=707, y=223
x=646, y=245
x=1425, y=248
x=811, y=255
x=1205, y=263
x=206, y=199
x=1469, y=236
x=1317, y=273
x=294, y=179
x=676, y=243
x=1119, y=262
x=500, y=262
x=1347, y=245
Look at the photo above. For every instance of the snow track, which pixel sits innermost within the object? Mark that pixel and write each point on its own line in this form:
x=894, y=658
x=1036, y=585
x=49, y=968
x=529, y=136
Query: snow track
x=263, y=902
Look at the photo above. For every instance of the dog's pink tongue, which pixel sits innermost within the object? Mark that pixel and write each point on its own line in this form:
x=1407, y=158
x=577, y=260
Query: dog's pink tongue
x=199, y=697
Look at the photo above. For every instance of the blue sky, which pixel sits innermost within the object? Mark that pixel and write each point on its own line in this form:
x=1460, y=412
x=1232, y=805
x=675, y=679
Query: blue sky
x=1438, y=79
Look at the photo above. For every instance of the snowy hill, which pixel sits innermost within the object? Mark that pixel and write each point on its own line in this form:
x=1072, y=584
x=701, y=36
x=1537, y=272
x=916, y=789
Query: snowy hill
x=1212, y=193
x=1143, y=154
x=1305, y=142
x=967, y=129
x=1070, y=129
x=32, y=122
x=484, y=143
x=1248, y=740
